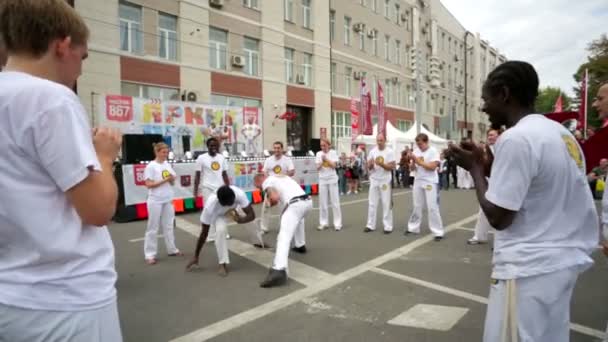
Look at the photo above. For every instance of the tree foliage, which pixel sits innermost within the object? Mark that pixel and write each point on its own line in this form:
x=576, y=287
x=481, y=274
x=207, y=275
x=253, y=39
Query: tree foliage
x=597, y=66
x=547, y=97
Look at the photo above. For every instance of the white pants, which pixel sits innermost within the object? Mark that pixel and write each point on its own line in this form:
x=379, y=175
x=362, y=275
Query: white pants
x=329, y=197
x=482, y=227
x=542, y=307
x=23, y=325
x=251, y=147
x=159, y=214
x=221, y=244
x=292, y=228
x=425, y=192
x=207, y=192
x=380, y=191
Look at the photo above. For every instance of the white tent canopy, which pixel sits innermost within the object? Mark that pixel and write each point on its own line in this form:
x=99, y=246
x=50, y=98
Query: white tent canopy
x=395, y=138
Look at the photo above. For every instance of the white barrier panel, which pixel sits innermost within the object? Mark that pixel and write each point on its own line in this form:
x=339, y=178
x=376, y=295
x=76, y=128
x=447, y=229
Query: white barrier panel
x=241, y=173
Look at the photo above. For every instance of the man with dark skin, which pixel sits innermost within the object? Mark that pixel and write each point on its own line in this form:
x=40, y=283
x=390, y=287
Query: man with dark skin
x=539, y=202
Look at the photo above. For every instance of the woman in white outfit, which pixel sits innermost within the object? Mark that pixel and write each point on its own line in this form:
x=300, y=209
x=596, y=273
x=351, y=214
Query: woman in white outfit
x=327, y=161
x=159, y=177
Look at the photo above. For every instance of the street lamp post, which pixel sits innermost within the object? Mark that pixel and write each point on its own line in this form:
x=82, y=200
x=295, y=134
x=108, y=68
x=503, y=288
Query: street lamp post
x=466, y=78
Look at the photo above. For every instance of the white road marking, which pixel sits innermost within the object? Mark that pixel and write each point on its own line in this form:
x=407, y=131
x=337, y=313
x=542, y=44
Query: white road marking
x=431, y=317
x=298, y=271
x=472, y=297
x=238, y=320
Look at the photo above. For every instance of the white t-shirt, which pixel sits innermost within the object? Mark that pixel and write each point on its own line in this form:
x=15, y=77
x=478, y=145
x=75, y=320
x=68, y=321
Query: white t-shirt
x=211, y=170
x=49, y=260
x=156, y=171
x=250, y=130
x=274, y=166
x=327, y=175
x=424, y=176
x=539, y=172
x=213, y=209
x=287, y=187
x=605, y=206
x=378, y=174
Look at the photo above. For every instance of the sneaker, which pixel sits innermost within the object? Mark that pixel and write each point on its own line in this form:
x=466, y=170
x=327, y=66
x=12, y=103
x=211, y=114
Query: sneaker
x=349, y=193
x=388, y=231
x=341, y=194
x=438, y=238
x=321, y=227
x=356, y=192
x=474, y=241
x=151, y=261
x=210, y=239
x=338, y=228
x=367, y=230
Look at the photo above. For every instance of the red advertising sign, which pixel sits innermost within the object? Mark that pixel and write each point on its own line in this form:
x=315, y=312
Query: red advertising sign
x=250, y=115
x=138, y=173
x=119, y=108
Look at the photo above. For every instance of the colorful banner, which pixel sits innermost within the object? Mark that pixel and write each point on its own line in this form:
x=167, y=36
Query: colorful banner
x=381, y=111
x=241, y=173
x=366, y=110
x=238, y=127
x=354, y=119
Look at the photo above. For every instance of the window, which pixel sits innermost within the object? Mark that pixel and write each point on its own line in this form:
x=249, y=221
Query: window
x=218, y=41
x=388, y=98
x=306, y=14
x=149, y=92
x=397, y=52
x=251, y=51
x=363, y=2
x=222, y=100
x=250, y=3
x=334, y=79
x=348, y=74
x=398, y=100
x=131, y=34
x=375, y=43
x=167, y=36
x=374, y=89
x=397, y=7
x=375, y=6
x=387, y=55
x=347, y=30
x=387, y=8
x=362, y=39
x=307, y=69
x=404, y=125
x=332, y=25
x=289, y=65
x=288, y=8
x=340, y=125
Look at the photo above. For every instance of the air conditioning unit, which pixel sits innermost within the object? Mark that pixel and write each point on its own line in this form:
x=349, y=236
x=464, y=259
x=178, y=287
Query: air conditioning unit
x=300, y=79
x=358, y=75
x=237, y=61
x=371, y=33
x=442, y=84
x=395, y=80
x=423, y=3
x=358, y=27
x=404, y=16
x=424, y=30
x=429, y=44
x=189, y=96
x=216, y=3
x=456, y=58
x=428, y=78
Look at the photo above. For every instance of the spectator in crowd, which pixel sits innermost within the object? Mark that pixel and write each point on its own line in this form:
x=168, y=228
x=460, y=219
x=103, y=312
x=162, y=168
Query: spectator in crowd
x=443, y=172
x=342, y=181
x=598, y=175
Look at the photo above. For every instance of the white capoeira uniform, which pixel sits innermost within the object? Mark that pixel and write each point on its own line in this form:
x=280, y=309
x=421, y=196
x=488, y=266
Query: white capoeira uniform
x=425, y=190
x=215, y=214
x=160, y=209
x=211, y=169
x=380, y=189
x=251, y=132
x=329, y=195
x=538, y=172
x=482, y=227
x=297, y=205
x=275, y=166
x=464, y=179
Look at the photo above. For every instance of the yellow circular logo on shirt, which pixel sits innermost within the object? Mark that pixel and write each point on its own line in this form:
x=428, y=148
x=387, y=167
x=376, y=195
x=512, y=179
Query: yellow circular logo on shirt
x=215, y=166
x=277, y=169
x=165, y=174
x=420, y=159
x=380, y=160
x=326, y=164
x=429, y=187
x=573, y=150
x=384, y=187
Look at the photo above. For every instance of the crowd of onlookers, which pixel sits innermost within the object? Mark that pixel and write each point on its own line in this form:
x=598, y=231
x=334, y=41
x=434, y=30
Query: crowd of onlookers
x=597, y=178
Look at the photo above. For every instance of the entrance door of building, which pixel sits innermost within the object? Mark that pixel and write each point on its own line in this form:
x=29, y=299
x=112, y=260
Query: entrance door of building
x=299, y=130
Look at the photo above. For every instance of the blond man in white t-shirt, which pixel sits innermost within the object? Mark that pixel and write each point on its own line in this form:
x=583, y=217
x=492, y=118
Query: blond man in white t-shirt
x=426, y=161
x=540, y=204
x=329, y=196
x=57, y=274
x=380, y=163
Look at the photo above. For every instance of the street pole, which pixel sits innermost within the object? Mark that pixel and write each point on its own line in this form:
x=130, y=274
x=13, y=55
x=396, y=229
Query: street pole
x=418, y=90
x=466, y=78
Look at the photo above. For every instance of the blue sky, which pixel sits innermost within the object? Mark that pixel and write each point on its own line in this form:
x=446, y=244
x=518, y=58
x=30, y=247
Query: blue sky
x=550, y=34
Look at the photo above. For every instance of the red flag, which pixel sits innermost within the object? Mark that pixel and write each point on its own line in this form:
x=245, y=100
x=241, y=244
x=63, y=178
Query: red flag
x=366, y=109
x=380, y=111
x=582, y=109
x=354, y=118
x=558, y=104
